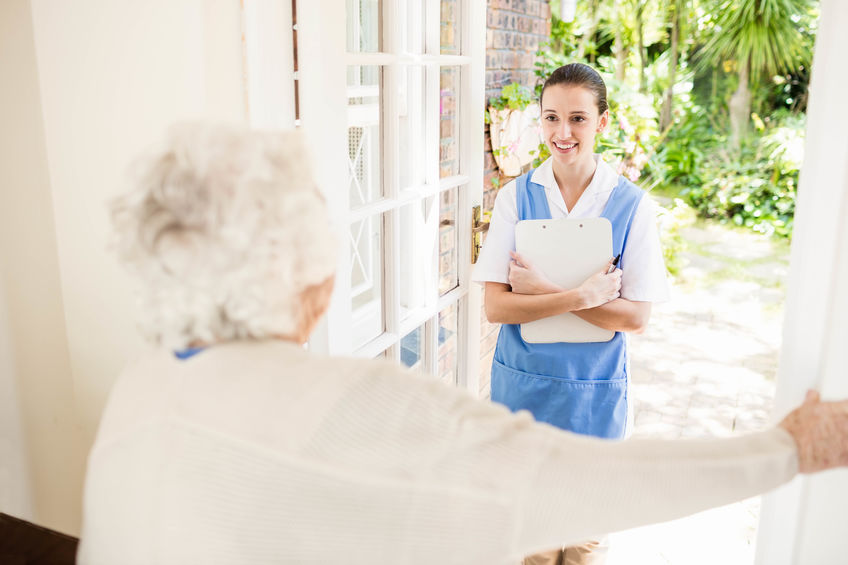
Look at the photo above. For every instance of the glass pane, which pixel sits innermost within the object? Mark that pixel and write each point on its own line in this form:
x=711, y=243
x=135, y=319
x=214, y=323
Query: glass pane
x=448, y=345
x=364, y=134
x=448, y=122
x=363, y=26
x=412, y=348
x=450, y=27
x=411, y=127
x=448, y=242
x=419, y=227
x=366, y=282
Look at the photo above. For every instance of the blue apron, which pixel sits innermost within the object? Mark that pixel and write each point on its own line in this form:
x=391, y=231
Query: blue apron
x=580, y=387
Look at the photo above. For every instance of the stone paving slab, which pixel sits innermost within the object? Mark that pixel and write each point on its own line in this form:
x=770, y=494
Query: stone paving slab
x=706, y=367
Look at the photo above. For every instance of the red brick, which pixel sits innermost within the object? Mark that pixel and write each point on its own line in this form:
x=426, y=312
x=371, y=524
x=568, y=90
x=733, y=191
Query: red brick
x=489, y=161
x=448, y=105
x=489, y=199
x=487, y=180
x=447, y=10
x=488, y=343
x=445, y=128
x=502, y=40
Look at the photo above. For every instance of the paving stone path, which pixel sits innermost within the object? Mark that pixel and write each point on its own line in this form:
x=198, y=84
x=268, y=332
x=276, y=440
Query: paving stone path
x=706, y=367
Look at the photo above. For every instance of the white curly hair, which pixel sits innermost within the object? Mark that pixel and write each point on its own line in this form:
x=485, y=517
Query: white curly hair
x=224, y=228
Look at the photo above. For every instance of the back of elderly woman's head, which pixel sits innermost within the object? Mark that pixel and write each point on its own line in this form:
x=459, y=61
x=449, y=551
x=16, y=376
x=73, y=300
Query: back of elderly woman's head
x=225, y=230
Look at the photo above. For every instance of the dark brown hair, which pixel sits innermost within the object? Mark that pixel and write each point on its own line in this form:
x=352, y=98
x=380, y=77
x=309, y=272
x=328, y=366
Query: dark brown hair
x=578, y=74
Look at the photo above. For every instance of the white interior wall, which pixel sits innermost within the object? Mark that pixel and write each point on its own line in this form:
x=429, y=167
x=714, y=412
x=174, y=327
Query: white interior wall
x=96, y=82
x=804, y=523
x=41, y=461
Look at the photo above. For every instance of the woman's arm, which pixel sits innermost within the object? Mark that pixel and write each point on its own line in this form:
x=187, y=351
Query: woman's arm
x=618, y=315
x=506, y=306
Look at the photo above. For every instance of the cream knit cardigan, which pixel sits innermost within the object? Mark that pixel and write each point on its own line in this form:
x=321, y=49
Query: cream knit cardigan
x=260, y=452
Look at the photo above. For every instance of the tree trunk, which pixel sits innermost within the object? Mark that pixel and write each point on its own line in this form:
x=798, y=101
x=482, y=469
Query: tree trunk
x=739, y=106
x=668, y=95
x=643, y=56
x=590, y=33
x=618, y=45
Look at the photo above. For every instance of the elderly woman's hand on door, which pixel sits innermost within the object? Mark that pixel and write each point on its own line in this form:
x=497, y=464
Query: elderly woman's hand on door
x=820, y=430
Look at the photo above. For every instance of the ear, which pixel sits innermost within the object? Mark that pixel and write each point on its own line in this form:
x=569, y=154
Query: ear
x=314, y=301
x=603, y=121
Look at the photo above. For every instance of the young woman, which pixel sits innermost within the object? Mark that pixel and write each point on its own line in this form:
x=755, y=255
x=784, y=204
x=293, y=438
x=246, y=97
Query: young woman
x=581, y=387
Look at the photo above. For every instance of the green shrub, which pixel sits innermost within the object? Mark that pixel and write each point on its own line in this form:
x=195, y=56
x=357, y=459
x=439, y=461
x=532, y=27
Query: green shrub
x=671, y=221
x=758, y=190
x=513, y=96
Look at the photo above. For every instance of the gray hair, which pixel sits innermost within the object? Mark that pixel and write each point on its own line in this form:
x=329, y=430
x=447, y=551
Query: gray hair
x=224, y=228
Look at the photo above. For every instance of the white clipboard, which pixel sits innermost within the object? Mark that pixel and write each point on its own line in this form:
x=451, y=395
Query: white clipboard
x=568, y=251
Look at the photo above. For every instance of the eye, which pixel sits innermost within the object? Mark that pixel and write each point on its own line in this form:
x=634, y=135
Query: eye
x=578, y=119
x=550, y=118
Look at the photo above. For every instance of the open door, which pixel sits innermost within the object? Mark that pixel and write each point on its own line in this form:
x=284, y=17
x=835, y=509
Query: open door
x=393, y=93
x=804, y=522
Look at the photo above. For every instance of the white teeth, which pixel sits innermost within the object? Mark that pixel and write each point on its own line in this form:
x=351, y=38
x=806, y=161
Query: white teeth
x=565, y=147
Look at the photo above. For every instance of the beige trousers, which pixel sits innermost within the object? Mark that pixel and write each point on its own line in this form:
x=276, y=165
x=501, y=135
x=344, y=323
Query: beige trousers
x=589, y=553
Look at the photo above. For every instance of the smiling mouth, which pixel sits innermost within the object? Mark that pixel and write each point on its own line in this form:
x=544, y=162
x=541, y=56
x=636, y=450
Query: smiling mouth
x=565, y=146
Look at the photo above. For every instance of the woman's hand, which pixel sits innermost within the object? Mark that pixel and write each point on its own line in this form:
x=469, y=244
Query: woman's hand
x=601, y=287
x=526, y=278
x=820, y=430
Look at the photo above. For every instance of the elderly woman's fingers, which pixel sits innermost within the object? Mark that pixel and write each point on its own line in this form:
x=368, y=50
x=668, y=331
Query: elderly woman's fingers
x=820, y=430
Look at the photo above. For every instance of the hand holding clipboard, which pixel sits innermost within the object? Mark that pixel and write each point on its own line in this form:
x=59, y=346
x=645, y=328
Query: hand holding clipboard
x=569, y=252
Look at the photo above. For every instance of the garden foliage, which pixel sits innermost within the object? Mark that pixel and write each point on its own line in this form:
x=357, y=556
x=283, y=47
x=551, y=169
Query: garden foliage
x=699, y=158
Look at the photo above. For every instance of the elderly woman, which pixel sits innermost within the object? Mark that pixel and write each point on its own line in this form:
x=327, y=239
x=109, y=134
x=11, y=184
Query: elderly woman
x=232, y=444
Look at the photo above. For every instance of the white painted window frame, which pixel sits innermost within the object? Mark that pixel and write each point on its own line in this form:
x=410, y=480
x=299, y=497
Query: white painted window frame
x=323, y=62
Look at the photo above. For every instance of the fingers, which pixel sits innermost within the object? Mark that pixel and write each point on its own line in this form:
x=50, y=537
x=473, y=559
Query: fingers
x=812, y=396
x=518, y=258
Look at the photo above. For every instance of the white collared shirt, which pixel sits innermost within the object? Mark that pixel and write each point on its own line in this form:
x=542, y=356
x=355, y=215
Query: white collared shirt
x=644, y=276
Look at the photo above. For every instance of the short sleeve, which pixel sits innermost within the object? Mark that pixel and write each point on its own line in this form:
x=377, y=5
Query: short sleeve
x=643, y=269
x=493, y=263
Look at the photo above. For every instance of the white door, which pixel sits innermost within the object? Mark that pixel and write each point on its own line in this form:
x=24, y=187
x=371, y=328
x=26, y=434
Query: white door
x=392, y=91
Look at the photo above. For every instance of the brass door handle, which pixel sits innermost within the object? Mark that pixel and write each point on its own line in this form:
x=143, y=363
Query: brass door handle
x=478, y=226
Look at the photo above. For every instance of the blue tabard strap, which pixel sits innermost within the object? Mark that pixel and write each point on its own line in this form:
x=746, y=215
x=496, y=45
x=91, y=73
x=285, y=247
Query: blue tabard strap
x=188, y=352
x=581, y=387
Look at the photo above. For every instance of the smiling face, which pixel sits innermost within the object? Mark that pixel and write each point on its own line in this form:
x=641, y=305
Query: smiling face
x=570, y=121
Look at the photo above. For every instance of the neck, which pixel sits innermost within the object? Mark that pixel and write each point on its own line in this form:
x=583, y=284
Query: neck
x=572, y=180
x=299, y=339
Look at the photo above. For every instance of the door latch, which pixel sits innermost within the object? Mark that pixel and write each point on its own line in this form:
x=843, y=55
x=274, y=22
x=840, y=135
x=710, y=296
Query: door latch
x=478, y=226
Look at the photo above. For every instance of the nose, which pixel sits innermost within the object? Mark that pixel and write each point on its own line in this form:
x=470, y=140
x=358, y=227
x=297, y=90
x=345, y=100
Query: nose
x=564, y=130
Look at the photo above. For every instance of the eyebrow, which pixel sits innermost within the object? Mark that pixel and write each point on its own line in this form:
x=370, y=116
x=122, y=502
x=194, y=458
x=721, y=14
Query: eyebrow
x=570, y=113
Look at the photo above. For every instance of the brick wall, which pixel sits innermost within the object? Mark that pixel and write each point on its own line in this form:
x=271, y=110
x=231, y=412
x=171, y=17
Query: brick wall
x=515, y=29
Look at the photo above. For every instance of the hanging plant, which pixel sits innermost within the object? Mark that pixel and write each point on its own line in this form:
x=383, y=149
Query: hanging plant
x=513, y=120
